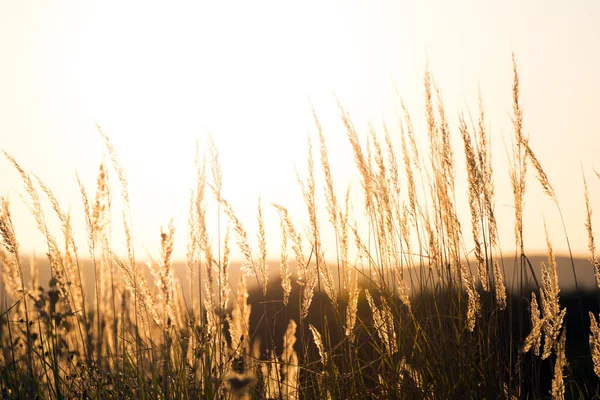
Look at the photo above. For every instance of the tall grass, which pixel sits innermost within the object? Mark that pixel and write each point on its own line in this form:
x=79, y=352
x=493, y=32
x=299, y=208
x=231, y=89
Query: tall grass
x=402, y=307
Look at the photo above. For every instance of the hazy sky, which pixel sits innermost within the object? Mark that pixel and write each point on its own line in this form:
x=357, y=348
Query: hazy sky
x=159, y=75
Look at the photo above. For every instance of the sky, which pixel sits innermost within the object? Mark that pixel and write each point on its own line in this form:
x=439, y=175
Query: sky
x=157, y=76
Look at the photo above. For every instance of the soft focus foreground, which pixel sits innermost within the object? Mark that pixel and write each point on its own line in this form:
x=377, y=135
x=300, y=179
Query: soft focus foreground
x=409, y=303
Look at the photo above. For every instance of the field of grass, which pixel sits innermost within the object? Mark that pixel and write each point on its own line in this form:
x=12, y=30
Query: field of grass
x=401, y=308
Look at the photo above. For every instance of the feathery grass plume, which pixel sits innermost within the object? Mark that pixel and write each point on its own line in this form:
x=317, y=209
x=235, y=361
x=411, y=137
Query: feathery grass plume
x=308, y=193
x=445, y=145
x=307, y=276
x=442, y=187
x=286, y=283
x=595, y=343
x=62, y=216
x=54, y=255
x=518, y=168
x=124, y=195
x=72, y=272
x=432, y=130
x=224, y=286
x=384, y=323
x=534, y=339
x=474, y=306
x=500, y=288
x=405, y=230
x=9, y=241
x=166, y=278
x=558, y=384
x=201, y=227
x=13, y=268
x=296, y=241
x=352, y=308
x=102, y=202
x=319, y=343
x=410, y=131
x=215, y=168
x=553, y=314
x=239, y=322
x=248, y=266
x=71, y=268
x=344, y=239
x=392, y=161
x=475, y=190
x=385, y=214
x=137, y=286
x=401, y=286
x=361, y=162
x=290, y=367
x=331, y=200
x=412, y=189
x=590, y=233
x=262, y=250
x=191, y=245
x=116, y=165
x=541, y=175
x=89, y=225
x=485, y=164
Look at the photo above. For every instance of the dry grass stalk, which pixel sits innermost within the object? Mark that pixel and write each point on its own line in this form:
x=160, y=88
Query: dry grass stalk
x=595, y=343
x=518, y=169
x=166, y=279
x=262, y=250
x=541, y=175
x=474, y=306
x=499, y=286
x=309, y=195
x=239, y=322
x=224, y=286
x=485, y=164
x=344, y=240
x=102, y=202
x=201, y=228
x=445, y=145
x=590, y=233
x=319, y=343
x=13, y=268
x=384, y=323
x=534, y=339
x=54, y=254
x=352, y=308
x=412, y=189
x=307, y=276
x=286, y=283
x=191, y=245
x=248, y=265
x=290, y=367
x=116, y=165
x=558, y=384
x=361, y=162
x=553, y=314
x=137, y=286
x=331, y=200
x=475, y=190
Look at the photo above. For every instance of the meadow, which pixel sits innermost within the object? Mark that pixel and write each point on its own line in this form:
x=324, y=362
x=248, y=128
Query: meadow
x=401, y=308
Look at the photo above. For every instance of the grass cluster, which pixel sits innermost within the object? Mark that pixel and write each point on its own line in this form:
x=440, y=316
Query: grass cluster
x=403, y=307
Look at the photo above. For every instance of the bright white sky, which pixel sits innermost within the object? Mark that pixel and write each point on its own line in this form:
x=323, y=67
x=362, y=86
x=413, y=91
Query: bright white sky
x=158, y=75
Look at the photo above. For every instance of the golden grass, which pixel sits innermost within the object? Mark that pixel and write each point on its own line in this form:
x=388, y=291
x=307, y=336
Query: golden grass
x=393, y=311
